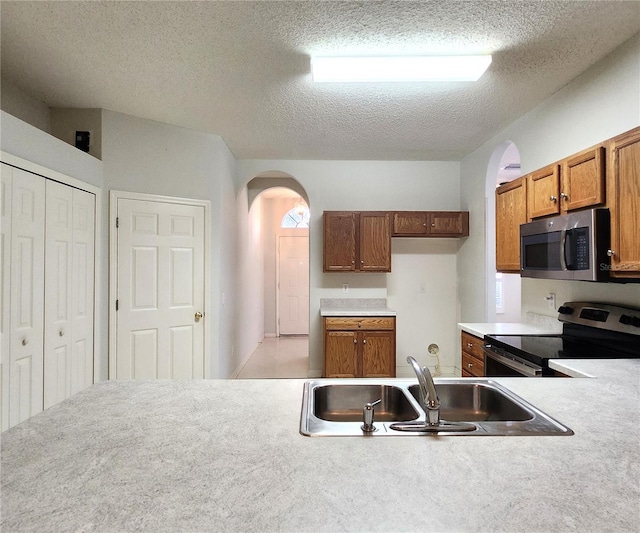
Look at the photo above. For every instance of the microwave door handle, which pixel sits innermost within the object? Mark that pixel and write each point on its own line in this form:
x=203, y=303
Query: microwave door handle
x=563, y=249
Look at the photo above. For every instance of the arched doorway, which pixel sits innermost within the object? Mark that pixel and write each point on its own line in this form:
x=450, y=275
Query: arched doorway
x=503, y=301
x=278, y=211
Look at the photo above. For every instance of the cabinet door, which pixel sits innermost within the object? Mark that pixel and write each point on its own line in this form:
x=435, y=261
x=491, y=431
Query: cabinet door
x=543, y=188
x=624, y=201
x=375, y=242
x=339, y=241
x=378, y=354
x=511, y=211
x=448, y=223
x=583, y=183
x=340, y=354
x=410, y=224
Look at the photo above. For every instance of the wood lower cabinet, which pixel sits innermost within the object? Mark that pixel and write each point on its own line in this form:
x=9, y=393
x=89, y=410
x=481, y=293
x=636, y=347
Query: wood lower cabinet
x=472, y=356
x=623, y=191
x=511, y=211
x=359, y=347
x=430, y=224
x=357, y=241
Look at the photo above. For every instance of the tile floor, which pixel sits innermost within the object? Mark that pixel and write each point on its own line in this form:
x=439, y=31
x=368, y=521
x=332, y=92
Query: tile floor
x=278, y=357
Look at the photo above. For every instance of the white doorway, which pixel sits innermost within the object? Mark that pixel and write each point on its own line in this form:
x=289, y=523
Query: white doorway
x=159, y=286
x=293, y=285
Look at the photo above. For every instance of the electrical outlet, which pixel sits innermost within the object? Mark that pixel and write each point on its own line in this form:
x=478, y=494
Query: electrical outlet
x=551, y=300
x=345, y=287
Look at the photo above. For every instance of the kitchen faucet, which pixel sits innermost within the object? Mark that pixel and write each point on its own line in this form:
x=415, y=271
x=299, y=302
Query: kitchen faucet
x=428, y=395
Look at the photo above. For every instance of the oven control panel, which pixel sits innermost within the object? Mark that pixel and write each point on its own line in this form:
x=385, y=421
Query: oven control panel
x=599, y=315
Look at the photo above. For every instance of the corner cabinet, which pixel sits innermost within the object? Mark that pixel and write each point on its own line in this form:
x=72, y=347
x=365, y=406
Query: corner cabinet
x=359, y=347
x=511, y=211
x=430, y=224
x=357, y=241
x=623, y=191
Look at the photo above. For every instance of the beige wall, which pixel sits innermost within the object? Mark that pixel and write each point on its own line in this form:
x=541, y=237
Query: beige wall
x=25, y=107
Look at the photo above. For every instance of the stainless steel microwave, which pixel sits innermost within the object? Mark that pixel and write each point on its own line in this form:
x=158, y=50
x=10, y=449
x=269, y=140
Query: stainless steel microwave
x=573, y=246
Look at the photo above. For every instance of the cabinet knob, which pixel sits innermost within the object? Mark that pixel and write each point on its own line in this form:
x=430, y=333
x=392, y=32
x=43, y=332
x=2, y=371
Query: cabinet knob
x=469, y=365
x=469, y=345
x=355, y=341
x=25, y=341
x=362, y=261
x=353, y=262
x=553, y=198
x=611, y=253
x=564, y=196
x=359, y=324
x=364, y=341
x=61, y=332
x=425, y=224
x=433, y=224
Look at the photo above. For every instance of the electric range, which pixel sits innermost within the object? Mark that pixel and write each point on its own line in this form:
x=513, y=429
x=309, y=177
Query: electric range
x=589, y=331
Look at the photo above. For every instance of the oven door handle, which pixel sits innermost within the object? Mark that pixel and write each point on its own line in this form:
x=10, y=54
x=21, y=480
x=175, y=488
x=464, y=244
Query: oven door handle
x=529, y=370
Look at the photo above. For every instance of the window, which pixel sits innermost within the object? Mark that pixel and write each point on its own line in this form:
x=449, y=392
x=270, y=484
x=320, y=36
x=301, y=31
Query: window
x=298, y=217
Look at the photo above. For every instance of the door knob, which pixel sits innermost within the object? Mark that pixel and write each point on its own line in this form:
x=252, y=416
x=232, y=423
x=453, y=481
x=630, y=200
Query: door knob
x=198, y=316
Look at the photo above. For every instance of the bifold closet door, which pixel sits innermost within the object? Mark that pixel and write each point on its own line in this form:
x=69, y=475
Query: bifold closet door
x=25, y=267
x=69, y=267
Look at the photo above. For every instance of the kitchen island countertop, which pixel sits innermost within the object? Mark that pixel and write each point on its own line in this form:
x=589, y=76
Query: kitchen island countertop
x=226, y=455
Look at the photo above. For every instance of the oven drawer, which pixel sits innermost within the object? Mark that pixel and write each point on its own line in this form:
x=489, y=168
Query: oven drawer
x=472, y=345
x=472, y=365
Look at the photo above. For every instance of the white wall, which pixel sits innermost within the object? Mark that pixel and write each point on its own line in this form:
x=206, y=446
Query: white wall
x=361, y=186
x=65, y=122
x=21, y=105
x=249, y=305
x=601, y=103
x=150, y=157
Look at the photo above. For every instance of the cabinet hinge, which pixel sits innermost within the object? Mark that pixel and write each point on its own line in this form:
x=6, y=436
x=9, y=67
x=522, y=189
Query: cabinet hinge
x=117, y=222
x=117, y=304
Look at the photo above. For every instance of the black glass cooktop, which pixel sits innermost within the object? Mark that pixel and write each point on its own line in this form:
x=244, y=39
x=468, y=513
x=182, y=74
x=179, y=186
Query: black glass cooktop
x=540, y=348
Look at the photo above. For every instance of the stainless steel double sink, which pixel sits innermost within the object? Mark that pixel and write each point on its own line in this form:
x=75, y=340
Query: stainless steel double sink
x=334, y=407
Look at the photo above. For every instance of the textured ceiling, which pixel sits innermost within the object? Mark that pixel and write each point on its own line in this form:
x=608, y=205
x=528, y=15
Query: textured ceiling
x=241, y=69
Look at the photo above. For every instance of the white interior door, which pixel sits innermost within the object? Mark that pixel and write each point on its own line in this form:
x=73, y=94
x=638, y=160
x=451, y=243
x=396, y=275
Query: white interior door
x=82, y=290
x=5, y=287
x=58, y=281
x=160, y=290
x=293, y=285
x=69, y=283
x=27, y=295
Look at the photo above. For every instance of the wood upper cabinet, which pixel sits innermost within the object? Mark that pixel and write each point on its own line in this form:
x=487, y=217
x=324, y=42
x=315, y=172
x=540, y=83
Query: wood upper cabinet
x=339, y=241
x=430, y=224
x=574, y=183
x=623, y=191
x=357, y=241
x=583, y=179
x=543, y=191
x=511, y=211
x=359, y=347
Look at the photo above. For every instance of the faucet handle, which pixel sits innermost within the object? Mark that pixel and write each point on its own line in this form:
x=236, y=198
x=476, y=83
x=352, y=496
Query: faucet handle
x=367, y=416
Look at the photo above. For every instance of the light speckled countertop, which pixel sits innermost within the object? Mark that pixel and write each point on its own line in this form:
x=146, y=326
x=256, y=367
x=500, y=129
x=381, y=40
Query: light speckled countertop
x=355, y=307
x=507, y=328
x=226, y=455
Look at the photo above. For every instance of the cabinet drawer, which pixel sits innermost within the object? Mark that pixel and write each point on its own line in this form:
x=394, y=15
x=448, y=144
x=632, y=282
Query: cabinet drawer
x=360, y=323
x=472, y=345
x=473, y=366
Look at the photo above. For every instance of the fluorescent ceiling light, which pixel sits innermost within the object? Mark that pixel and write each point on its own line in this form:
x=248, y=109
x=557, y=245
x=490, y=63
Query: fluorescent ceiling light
x=409, y=68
